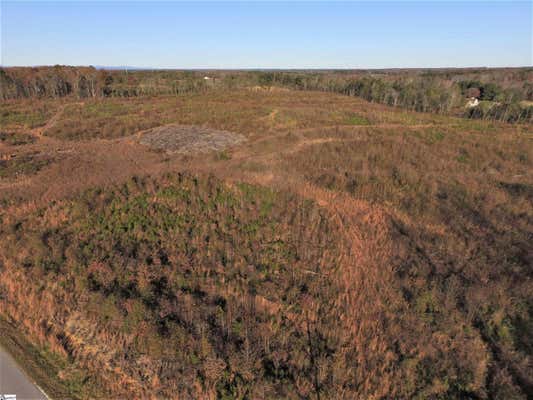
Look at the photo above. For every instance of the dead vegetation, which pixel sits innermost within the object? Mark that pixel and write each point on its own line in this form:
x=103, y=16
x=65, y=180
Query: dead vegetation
x=16, y=138
x=14, y=166
x=344, y=250
x=183, y=139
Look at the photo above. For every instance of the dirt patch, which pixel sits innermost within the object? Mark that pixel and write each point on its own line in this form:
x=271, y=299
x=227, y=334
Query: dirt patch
x=186, y=139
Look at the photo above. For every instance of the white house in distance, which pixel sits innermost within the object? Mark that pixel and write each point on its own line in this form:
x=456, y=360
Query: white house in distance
x=209, y=81
x=472, y=102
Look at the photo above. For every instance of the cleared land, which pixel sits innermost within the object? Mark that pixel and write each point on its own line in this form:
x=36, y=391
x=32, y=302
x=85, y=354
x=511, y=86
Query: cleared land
x=189, y=139
x=343, y=250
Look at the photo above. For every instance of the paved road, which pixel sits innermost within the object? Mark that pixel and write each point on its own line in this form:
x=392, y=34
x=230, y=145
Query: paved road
x=14, y=381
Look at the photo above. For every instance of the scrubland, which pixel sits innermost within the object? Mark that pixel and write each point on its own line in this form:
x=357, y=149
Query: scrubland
x=504, y=94
x=345, y=250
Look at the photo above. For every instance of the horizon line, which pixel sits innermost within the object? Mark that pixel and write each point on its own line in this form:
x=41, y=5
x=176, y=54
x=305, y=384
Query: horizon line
x=130, y=67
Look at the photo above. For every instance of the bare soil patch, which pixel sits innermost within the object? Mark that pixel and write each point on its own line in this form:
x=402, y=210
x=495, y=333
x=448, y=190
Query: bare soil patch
x=186, y=139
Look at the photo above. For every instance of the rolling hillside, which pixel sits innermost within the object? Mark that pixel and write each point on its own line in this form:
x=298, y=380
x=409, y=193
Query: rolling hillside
x=342, y=249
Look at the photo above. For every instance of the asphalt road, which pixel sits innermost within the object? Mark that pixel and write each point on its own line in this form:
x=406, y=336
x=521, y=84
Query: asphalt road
x=14, y=381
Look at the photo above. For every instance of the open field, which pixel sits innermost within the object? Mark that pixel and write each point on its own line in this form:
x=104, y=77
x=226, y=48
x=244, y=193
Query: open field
x=341, y=249
x=505, y=94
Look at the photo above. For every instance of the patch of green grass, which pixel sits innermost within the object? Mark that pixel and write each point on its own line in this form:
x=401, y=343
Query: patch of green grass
x=356, y=119
x=26, y=118
x=436, y=136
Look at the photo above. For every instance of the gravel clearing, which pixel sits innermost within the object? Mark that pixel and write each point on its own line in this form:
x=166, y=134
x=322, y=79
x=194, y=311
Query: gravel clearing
x=186, y=139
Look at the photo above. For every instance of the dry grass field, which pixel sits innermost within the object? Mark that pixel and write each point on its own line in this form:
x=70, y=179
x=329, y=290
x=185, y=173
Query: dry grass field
x=343, y=250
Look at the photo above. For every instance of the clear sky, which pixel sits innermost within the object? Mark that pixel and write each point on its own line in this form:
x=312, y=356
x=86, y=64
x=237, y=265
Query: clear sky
x=268, y=34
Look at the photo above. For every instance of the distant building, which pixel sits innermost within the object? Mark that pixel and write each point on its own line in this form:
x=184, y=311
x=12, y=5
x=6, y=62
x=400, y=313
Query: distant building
x=472, y=102
x=207, y=78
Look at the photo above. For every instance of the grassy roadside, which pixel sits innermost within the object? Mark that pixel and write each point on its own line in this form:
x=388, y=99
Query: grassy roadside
x=40, y=365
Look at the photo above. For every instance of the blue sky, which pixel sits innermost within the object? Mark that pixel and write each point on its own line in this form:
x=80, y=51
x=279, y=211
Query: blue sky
x=267, y=34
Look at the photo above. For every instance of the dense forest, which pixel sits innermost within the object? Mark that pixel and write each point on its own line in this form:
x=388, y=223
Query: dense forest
x=504, y=94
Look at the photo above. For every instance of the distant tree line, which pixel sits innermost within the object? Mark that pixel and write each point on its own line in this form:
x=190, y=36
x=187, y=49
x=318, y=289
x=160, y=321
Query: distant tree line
x=428, y=92
x=505, y=94
x=54, y=81
x=84, y=82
